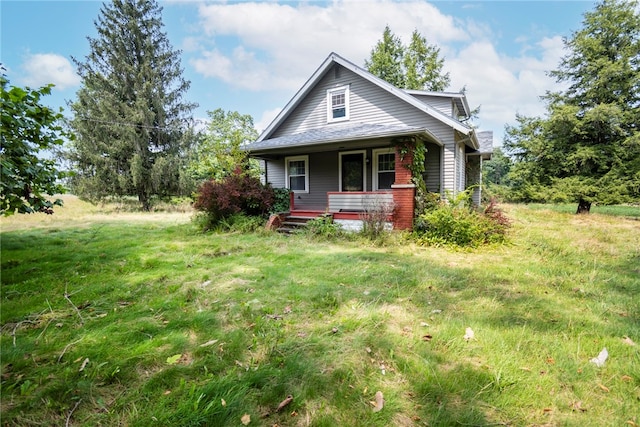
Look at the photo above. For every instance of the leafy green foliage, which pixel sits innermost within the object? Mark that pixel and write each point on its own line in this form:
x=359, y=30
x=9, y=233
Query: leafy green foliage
x=28, y=131
x=423, y=66
x=324, y=227
x=220, y=153
x=496, y=170
x=415, y=66
x=281, y=200
x=234, y=194
x=133, y=136
x=455, y=222
x=587, y=148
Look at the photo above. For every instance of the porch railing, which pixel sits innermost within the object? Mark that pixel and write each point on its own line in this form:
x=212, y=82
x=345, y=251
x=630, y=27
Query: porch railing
x=358, y=201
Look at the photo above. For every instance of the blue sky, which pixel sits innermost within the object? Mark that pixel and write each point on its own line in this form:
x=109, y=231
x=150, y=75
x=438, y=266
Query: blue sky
x=252, y=57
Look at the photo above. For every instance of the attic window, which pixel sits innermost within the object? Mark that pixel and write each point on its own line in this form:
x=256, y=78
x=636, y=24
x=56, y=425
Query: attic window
x=338, y=104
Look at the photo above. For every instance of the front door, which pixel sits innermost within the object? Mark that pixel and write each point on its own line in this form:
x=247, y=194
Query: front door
x=352, y=171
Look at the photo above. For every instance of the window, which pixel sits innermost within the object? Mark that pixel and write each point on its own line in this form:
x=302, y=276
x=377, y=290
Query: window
x=297, y=173
x=384, y=168
x=338, y=104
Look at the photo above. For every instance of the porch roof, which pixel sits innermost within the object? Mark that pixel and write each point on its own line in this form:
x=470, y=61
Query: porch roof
x=336, y=134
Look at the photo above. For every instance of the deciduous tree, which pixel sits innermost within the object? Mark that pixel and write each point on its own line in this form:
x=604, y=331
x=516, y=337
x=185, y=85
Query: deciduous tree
x=28, y=130
x=219, y=154
x=130, y=116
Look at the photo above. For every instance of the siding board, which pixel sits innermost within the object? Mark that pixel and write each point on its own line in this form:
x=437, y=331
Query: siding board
x=368, y=103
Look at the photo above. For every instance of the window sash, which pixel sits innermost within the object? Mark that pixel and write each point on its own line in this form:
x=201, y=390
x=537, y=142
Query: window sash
x=297, y=173
x=384, y=169
x=338, y=104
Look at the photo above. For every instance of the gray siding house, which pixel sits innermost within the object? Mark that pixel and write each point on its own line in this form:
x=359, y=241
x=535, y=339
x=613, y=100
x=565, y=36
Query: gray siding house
x=335, y=145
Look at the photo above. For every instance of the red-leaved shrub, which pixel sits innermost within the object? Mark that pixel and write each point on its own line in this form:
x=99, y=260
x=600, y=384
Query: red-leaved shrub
x=235, y=194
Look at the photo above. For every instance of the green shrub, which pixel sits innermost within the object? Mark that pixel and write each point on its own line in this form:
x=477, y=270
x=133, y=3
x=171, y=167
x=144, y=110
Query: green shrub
x=281, y=201
x=461, y=225
x=323, y=226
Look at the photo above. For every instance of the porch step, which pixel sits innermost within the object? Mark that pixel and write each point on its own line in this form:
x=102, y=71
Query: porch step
x=293, y=223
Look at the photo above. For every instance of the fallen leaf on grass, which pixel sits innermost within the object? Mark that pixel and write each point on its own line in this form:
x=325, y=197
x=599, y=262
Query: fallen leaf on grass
x=166, y=392
x=208, y=343
x=245, y=419
x=172, y=360
x=379, y=403
x=284, y=403
x=84, y=364
x=626, y=378
x=223, y=402
x=427, y=337
x=628, y=341
x=603, y=387
x=632, y=423
x=602, y=357
x=469, y=334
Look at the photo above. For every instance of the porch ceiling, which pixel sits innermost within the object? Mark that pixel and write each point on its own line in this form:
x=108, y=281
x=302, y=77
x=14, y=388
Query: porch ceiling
x=331, y=135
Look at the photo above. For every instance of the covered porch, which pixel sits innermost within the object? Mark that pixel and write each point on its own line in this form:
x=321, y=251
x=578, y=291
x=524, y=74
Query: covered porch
x=349, y=191
x=347, y=170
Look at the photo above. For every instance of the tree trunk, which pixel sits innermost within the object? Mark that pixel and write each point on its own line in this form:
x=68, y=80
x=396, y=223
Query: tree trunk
x=144, y=200
x=584, y=207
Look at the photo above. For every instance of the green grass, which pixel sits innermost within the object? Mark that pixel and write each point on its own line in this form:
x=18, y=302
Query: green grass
x=631, y=211
x=133, y=319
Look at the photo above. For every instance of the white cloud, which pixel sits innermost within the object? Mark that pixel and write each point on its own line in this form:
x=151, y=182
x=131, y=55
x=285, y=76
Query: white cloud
x=505, y=85
x=266, y=119
x=286, y=42
x=265, y=46
x=44, y=68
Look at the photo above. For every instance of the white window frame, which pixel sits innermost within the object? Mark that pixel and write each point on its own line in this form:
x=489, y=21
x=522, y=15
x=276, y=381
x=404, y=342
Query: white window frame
x=374, y=172
x=335, y=91
x=305, y=159
x=364, y=168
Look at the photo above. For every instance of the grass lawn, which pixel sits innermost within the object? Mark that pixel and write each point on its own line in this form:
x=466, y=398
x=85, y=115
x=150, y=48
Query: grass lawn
x=138, y=319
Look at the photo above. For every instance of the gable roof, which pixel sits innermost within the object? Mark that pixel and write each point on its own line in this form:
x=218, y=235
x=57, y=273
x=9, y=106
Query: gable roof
x=334, y=58
x=485, y=140
x=459, y=98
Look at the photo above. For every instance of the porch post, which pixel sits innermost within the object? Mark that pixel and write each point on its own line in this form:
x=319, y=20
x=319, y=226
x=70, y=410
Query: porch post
x=403, y=192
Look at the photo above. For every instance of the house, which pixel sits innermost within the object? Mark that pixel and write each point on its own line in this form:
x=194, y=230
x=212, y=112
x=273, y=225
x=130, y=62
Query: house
x=347, y=137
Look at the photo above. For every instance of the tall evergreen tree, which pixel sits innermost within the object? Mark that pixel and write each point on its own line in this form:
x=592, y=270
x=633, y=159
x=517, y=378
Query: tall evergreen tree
x=386, y=59
x=423, y=66
x=129, y=113
x=587, y=148
x=415, y=66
